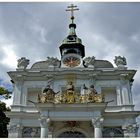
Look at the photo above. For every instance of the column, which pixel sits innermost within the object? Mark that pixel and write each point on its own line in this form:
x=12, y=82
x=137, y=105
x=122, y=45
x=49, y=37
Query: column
x=14, y=131
x=130, y=130
x=97, y=123
x=44, y=122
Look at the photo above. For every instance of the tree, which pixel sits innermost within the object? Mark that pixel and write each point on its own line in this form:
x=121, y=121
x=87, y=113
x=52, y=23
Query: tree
x=4, y=93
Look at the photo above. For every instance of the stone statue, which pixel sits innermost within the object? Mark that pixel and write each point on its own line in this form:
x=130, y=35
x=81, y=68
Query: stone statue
x=70, y=96
x=58, y=99
x=89, y=93
x=120, y=61
x=51, y=61
x=22, y=63
x=48, y=95
x=90, y=90
x=98, y=98
x=70, y=87
x=83, y=99
x=89, y=61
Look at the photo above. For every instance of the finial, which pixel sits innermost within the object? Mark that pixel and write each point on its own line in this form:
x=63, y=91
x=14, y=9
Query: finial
x=72, y=8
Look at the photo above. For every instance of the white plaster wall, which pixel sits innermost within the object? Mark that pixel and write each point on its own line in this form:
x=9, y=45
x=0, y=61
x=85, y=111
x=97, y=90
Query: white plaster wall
x=31, y=122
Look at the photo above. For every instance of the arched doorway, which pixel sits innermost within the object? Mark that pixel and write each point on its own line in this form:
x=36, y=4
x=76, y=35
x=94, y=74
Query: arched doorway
x=71, y=134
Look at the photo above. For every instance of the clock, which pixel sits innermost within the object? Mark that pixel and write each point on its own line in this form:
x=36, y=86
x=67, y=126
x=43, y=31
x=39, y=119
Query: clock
x=71, y=61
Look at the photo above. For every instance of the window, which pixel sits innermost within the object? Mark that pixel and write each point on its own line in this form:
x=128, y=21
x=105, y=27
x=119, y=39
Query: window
x=71, y=134
x=112, y=132
x=31, y=132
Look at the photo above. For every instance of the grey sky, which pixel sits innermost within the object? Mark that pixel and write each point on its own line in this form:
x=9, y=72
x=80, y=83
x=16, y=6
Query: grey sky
x=36, y=30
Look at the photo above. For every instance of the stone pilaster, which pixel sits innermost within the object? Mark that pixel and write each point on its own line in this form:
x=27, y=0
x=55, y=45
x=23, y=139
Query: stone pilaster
x=130, y=130
x=125, y=90
x=97, y=124
x=14, y=131
x=17, y=92
x=119, y=96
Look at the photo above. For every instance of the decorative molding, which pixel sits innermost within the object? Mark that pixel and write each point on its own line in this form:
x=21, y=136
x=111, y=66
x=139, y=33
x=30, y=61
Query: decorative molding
x=131, y=128
x=14, y=128
x=70, y=95
x=112, y=132
x=33, y=132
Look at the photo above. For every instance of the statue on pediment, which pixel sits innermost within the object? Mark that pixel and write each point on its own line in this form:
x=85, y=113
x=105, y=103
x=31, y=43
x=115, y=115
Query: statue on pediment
x=120, y=61
x=89, y=61
x=22, y=63
x=51, y=61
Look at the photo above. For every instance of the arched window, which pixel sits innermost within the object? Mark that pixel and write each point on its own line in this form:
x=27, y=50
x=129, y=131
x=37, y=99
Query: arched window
x=71, y=134
x=112, y=132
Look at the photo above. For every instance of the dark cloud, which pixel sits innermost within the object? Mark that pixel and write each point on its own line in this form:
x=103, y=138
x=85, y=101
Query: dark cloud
x=117, y=23
x=34, y=28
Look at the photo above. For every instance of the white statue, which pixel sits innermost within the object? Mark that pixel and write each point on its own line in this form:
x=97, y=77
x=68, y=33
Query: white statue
x=51, y=61
x=23, y=63
x=89, y=61
x=120, y=61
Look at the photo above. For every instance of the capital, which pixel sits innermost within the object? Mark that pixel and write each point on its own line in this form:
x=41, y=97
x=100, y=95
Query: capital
x=14, y=128
x=97, y=121
x=44, y=122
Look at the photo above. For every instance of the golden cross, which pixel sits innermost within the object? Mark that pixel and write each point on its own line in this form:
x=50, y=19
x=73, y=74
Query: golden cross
x=72, y=8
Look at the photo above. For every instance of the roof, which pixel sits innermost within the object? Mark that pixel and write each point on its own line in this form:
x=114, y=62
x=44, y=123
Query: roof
x=97, y=64
x=103, y=64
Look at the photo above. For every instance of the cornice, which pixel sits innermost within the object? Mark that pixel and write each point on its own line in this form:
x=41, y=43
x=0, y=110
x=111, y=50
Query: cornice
x=107, y=74
x=122, y=114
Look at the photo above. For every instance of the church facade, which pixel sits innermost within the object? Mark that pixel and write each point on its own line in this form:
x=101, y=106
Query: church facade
x=76, y=96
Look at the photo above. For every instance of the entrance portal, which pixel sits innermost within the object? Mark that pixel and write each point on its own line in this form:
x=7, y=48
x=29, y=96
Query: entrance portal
x=71, y=134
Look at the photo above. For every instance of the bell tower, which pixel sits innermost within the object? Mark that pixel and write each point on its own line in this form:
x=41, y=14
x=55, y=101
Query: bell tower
x=72, y=51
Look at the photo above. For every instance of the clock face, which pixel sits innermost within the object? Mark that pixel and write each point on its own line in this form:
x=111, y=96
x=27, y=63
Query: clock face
x=71, y=61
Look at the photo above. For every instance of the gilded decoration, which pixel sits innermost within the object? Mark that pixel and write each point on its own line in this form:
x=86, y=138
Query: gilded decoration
x=70, y=95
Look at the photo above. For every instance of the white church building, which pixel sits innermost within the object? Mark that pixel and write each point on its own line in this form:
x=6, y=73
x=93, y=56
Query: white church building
x=75, y=97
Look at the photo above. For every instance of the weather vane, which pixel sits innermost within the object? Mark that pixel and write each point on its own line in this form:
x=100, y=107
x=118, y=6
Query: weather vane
x=72, y=8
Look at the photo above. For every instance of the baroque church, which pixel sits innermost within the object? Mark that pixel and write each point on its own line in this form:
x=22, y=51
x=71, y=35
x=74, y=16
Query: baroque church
x=75, y=97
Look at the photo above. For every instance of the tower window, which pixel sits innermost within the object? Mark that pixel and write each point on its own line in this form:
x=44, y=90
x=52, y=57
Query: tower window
x=71, y=51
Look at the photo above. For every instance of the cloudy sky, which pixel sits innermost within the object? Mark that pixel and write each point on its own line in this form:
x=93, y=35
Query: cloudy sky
x=36, y=30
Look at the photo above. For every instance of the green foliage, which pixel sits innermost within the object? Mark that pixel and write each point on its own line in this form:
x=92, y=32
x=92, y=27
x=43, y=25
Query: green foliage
x=3, y=120
x=4, y=93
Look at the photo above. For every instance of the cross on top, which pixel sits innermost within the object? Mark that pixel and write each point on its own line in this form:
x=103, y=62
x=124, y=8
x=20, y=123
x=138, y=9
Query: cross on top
x=72, y=8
